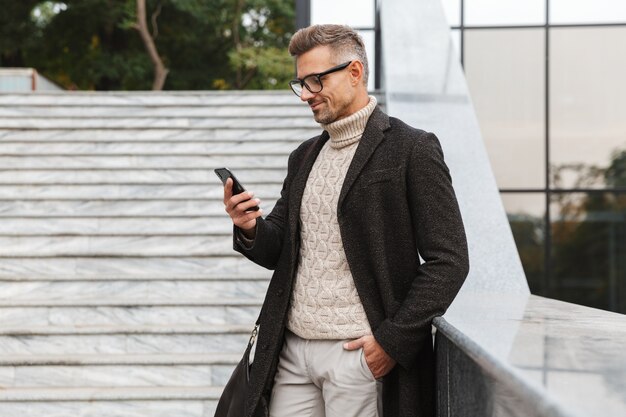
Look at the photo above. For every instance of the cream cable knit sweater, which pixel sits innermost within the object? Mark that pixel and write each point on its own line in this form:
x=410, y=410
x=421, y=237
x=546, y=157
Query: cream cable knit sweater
x=324, y=302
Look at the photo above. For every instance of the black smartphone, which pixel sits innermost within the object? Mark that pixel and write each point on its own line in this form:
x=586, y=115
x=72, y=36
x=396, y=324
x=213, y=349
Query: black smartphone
x=224, y=174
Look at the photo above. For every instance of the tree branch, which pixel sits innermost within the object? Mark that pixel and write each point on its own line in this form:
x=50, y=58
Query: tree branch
x=155, y=26
x=160, y=72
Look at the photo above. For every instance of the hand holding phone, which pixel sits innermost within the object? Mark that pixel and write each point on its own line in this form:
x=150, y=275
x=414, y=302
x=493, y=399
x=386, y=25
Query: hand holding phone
x=224, y=174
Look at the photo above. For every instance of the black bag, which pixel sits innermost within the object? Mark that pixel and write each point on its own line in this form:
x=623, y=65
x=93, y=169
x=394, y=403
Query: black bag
x=232, y=402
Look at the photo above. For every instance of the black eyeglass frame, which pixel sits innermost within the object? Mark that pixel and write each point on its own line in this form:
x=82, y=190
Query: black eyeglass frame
x=303, y=84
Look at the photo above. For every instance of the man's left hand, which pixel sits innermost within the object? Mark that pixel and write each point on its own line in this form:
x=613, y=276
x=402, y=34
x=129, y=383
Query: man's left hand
x=375, y=356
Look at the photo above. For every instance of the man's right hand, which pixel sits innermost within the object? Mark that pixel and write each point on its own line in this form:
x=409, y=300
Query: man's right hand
x=238, y=208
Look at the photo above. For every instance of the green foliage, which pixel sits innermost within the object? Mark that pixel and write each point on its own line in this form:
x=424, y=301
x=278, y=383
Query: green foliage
x=92, y=44
x=270, y=68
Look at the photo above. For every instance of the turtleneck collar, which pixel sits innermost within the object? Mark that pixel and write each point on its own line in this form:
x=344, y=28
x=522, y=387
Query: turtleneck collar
x=347, y=131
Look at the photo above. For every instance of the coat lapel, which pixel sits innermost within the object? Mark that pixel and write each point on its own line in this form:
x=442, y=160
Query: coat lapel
x=372, y=136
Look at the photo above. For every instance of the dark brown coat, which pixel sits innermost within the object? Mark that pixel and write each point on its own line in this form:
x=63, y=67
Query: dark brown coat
x=396, y=202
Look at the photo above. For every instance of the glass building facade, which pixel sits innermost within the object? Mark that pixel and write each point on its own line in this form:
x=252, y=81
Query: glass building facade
x=548, y=85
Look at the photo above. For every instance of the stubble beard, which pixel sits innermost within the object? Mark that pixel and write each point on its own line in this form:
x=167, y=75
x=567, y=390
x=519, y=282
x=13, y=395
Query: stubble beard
x=326, y=116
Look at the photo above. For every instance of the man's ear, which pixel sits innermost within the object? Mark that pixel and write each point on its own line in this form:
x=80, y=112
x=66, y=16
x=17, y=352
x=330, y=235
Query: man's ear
x=356, y=72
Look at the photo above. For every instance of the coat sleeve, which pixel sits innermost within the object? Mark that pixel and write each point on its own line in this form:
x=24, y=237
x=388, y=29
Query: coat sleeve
x=441, y=242
x=268, y=242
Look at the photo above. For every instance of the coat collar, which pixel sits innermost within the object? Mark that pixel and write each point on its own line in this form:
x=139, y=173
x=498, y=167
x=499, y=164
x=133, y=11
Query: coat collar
x=373, y=134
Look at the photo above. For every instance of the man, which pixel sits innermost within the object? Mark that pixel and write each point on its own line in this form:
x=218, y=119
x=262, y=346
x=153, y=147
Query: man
x=345, y=329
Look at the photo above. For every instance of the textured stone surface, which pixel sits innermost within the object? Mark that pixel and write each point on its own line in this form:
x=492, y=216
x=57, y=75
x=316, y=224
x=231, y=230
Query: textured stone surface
x=120, y=294
x=536, y=356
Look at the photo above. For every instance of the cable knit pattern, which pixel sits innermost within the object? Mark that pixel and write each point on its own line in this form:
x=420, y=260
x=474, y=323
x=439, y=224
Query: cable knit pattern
x=325, y=303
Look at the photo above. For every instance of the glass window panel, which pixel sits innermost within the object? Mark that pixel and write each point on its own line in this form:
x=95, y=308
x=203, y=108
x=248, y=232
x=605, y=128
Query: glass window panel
x=505, y=12
x=344, y=12
x=587, y=11
x=369, y=39
x=589, y=249
x=587, y=106
x=526, y=213
x=452, y=9
x=505, y=73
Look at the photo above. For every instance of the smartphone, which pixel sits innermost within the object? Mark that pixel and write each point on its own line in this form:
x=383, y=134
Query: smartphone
x=224, y=174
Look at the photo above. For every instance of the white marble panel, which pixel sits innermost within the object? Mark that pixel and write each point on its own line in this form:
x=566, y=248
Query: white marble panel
x=128, y=191
x=151, y=123
x=196, y=147
x=145, y=176
x=155, y=408
x=219, y=224
x=123, y=343
x=205, y=393
x=116, y=246
x=77, y=315
x=143, y=161
x=151, y=134
x=126, y=208
x=297, y=109
x=121, y=99
x=142, y=290
x=129, y=268
x=233, y=343
x=106, y=376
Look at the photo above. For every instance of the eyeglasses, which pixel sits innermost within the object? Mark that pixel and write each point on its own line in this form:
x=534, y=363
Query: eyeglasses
x=313, y=82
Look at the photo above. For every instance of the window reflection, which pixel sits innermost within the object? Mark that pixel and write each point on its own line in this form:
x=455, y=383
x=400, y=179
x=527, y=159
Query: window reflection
x=505, y=12
x=343, y=12
x=587, y=106
x=505, y=73
x=587, y=11
x=526, y=214
x=589, y=248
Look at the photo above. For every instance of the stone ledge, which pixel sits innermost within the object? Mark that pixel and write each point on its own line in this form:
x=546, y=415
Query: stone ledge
x=533, y=356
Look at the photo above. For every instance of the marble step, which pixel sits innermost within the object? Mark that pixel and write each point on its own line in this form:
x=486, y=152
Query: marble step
x=229, y=359
x=151, y=134
x=137, y=341
x=89, y=267
x=138, y=245
x=121, y=226
x=131, y=375
x=296, y=109
x=140, y=176
x=169, y=291
x=238, y=148
x=208, y=162
x=28, y=314
x=125, y=208
x=149, y=98
x=126, y=191
x=110, y=402
x=155, y=122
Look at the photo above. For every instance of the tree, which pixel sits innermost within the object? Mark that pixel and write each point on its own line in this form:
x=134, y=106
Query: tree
x=93, y=44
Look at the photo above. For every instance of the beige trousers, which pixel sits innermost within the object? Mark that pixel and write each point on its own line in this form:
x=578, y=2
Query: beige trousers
x=319, y=378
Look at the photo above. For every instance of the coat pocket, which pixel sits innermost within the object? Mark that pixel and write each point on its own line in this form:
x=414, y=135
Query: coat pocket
x=378, y=176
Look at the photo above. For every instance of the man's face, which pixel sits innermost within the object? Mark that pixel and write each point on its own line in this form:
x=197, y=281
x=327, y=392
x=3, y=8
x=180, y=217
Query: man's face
x=335, y=100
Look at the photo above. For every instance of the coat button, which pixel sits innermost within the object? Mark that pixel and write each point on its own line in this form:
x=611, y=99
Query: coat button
x=265, y=346
x=280, y=291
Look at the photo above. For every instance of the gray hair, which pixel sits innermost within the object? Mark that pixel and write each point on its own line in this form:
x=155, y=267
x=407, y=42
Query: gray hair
x=344, y=42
